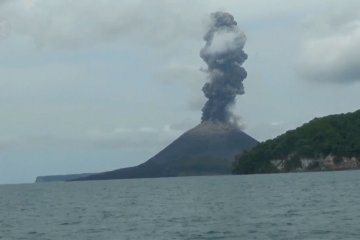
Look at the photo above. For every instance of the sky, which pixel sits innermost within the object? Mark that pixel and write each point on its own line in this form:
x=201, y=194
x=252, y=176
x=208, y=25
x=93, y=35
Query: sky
x=90, y=86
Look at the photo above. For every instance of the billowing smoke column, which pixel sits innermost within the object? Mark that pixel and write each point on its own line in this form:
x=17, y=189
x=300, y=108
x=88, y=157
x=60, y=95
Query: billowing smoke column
x=224, y=55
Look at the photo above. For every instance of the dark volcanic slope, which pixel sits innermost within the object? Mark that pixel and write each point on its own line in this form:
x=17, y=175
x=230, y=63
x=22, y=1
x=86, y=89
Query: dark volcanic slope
x=207, y=149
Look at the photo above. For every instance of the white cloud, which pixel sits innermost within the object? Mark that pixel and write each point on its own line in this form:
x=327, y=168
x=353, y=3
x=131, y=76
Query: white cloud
x=224, y=41
x=5, y=29
x=181, y=73
x=132, y=138
x=148, y=130
x=276, y=123
x=332, y=51
x=69, y=24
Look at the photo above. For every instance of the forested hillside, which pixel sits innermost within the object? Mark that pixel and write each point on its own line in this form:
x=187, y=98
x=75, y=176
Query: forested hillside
x=337, y=136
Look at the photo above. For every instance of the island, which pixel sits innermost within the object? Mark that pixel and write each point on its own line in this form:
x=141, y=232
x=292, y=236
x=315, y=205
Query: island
x=323, y=144
x=61, y=178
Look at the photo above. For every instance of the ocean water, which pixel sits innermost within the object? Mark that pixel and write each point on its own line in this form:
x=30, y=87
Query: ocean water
x=323, y=205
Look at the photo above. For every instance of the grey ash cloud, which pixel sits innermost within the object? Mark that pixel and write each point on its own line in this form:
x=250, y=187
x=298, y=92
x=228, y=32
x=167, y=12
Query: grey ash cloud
x=223, y=53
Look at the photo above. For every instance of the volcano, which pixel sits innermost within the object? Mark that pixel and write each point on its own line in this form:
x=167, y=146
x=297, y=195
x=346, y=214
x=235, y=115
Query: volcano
x=210, y=147
x=207, y=149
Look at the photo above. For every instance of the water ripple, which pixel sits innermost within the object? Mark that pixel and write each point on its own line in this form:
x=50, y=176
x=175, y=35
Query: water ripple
x=280, y=206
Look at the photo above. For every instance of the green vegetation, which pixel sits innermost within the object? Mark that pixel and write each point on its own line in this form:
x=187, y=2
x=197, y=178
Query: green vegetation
x=338, y=135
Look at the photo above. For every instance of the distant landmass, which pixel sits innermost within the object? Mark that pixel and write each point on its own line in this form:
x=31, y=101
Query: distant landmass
x=207, y=149
x=210, y=147
x=61, y=178
x=327, y=143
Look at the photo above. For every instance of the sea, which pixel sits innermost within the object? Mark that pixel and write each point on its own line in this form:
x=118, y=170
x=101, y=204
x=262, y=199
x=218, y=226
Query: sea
x=322, y=205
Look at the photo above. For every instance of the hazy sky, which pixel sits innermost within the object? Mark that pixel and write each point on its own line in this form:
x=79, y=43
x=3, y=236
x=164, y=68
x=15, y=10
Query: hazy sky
x=89, y=86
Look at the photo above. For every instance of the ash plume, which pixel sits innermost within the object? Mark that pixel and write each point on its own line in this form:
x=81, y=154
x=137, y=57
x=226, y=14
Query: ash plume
x=224, y=55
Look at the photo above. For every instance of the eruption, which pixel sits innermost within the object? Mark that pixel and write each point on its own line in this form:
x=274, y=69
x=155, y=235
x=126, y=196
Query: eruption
x=210, y=147
x=224, y=55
